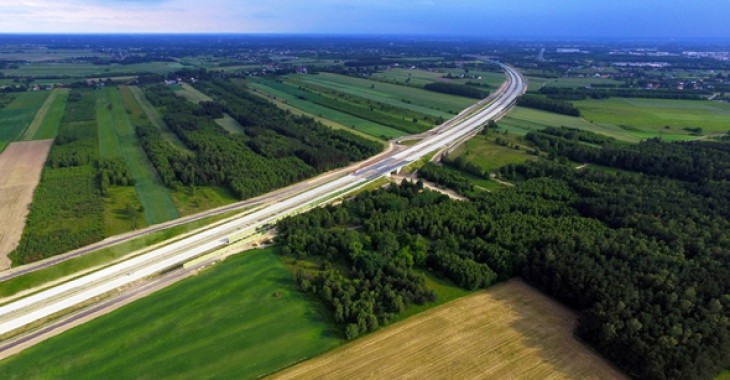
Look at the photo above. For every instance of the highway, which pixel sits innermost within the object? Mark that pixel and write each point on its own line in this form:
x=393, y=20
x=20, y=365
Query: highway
x=44, y=305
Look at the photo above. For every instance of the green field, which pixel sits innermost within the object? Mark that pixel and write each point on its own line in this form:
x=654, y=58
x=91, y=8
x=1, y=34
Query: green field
x=645, y=118
x=192, y=94
x=417, y=78
x=330, y=123
x=410, y=98
x=46, y=123
x=201, y=198
x=484, y=152
x=117, y=138
x=154, y=116
x=522, y=120
x=354, y=122
x=17, y=116
x=241, y=319
x=230, y=124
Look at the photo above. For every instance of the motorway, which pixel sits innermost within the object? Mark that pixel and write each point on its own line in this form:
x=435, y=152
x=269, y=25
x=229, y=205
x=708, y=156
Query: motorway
x=44, y=305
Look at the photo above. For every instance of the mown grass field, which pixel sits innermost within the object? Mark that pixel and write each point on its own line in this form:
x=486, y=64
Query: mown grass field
x=417, y=78
x=192, y=94
x=342, y=118
x=230, y=124
x=645, y=118
x=117, y=138
x=509, y=331
x=410, y=98
x=522, y=120
x=16, y=117
x=100, y=257
x=486, y=153
x=154, y=117
x=241, y=319
x=48, y=119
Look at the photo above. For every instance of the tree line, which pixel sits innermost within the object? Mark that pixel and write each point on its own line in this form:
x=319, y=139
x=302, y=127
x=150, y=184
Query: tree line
x=457, y=89
x=546, y=104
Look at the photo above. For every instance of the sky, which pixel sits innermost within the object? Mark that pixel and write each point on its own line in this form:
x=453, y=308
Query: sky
x=495, y=18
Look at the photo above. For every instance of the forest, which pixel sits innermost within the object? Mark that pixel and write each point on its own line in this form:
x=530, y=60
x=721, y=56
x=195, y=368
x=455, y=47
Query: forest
x=276, y=149
x=545, y=104
x=457, y=89
x=647, y=274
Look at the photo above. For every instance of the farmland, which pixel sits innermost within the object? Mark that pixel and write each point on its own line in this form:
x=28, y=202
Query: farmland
x=414, y=99
x=117, y=138
x=508, y=331
x=522, y=120
x=230, y=124
x=68, y=188
x=17, y=116
x=241, y=319
x=154, y=117
x=191, y=93
x=82, y=70
x=669, y=119
x=342, y=118
x=45, y=125
x=20, y=169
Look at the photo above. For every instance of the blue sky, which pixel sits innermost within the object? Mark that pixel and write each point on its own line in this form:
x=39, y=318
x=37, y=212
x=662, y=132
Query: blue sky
x=564, y=18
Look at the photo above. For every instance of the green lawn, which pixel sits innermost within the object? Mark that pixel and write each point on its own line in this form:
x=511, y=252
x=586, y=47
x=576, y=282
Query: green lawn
x=241, y=319
x=154, y=116
x=117, y=138
x=230, y=124
x=354, y=122
x=17, y=116
x=645, y=118
x=411, y=98
x=51, y=119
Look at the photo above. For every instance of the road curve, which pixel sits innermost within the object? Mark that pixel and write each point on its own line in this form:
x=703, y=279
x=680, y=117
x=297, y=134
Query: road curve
x=55, y=300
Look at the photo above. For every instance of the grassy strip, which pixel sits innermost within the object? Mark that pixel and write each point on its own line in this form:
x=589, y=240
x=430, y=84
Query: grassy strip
x=153, y=195
x=154, y=116
x=242, y=319
x=192, y=94
x=46, y=121
x=230, y=124
x=100, y=257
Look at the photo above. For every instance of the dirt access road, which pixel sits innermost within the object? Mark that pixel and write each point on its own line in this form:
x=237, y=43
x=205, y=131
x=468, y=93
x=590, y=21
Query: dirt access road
x=21, y=164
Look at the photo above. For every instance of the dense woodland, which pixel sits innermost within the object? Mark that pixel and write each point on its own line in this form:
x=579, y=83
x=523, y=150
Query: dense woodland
x=457, y=89
x=277, y=148
x=647, y=273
